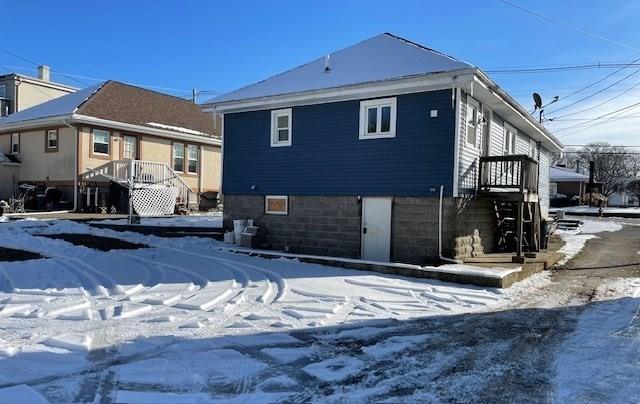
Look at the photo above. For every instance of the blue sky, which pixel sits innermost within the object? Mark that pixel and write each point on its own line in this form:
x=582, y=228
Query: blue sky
x=219, y=46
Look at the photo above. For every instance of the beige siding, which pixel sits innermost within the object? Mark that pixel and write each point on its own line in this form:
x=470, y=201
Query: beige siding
x=30, y=94
x=212, y=163
x=8, y=179
x=40, y=166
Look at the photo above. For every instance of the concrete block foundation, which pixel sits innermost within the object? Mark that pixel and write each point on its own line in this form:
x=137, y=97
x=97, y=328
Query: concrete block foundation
x=330, y=226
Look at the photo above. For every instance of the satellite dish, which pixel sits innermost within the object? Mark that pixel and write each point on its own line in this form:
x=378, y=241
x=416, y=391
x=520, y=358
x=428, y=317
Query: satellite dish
x=538, y=100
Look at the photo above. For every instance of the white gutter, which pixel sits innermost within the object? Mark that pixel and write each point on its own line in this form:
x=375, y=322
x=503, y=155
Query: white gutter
x=456, y=137
x=75, y=165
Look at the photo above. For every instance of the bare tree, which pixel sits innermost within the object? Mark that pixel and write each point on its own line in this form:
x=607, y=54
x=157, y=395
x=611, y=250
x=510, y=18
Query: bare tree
x=612, y=165
x=634, y=189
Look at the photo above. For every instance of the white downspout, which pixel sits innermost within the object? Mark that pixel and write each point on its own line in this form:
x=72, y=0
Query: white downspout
x=440, y=233
x=75, y=165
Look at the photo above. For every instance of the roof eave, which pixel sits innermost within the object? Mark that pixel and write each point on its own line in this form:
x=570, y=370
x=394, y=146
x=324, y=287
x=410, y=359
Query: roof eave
x=428, y=81
x=552, y=140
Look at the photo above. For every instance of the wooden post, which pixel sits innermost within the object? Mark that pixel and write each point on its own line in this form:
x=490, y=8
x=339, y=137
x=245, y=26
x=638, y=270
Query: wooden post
x=519, y=232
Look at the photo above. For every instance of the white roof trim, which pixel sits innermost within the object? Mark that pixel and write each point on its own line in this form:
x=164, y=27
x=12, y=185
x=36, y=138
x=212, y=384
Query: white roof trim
x=89, y=120
x=427, y=82
x=143, y=129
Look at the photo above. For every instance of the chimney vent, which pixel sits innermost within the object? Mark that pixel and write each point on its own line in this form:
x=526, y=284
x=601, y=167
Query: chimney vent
x=44, y=72
x=327, y=64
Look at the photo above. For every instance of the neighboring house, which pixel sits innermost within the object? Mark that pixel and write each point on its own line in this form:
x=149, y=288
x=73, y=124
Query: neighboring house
x=346, y=155
x=95, y=140
x=567, y=184
x=19, y=92
x=621, y=197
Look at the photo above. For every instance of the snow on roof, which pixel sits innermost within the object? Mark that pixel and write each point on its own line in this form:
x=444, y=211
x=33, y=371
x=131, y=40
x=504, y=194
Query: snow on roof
x=383, y=57
x=177, y=129
x=65, y=105
x=560, y=174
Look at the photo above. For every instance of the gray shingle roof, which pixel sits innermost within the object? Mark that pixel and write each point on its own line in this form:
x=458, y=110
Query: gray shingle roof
x=383, y=57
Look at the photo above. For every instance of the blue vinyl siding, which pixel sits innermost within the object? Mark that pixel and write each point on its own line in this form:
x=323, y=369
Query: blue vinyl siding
x=327, y=158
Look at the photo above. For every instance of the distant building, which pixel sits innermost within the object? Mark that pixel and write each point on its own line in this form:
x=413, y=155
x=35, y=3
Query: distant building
x=567, y=184
x=19, y=92
x=90, y=144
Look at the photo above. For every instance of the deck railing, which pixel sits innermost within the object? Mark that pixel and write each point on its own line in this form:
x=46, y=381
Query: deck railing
x=142, y=173
x=516, y=173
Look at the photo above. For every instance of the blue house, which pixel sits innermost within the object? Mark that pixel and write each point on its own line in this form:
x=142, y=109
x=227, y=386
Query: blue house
x=385, y=151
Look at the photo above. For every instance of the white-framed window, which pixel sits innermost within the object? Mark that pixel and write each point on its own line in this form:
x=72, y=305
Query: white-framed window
x=15, y=143
x=473, y=121
x=3, y=91
x=533, y=148
x=192, y=159
x=178, y=157
x=509, y=144
x=276, y=205
x=101, y=139
x=130, y=147
x=378, y=118
x=281, y=127
x=52, y=139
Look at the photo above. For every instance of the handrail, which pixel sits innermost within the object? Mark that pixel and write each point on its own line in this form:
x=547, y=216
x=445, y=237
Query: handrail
x=513, y=172
x=142, y=173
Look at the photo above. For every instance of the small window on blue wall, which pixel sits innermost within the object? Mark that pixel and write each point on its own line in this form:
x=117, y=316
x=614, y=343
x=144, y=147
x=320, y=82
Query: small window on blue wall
x=378, y=118
x=281, y=127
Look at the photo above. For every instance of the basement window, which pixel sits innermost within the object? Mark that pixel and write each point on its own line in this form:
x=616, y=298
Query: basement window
x=281, y=127
x=378, y=118
x=15, y=143
x=276, y=205
x=101, y=141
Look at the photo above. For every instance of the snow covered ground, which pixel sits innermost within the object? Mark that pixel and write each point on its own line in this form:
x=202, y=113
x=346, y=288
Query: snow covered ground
x=575, y=240
x=631, y=210
x=185, y=320
x=81, y=310
x=213, y=219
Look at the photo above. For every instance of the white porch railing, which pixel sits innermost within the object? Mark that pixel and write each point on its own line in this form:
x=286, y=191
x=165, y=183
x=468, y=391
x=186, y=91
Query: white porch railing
x=140, y=174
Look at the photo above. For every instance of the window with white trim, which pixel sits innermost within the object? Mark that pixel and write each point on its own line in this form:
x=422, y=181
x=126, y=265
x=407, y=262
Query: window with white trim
x=52, y=139
x=178, y=157
x=378, y=118
x=281, y=127
x=473, y=119
x=533, y=148
x=509, y=144
x=192, y=159
x=130, y=147
x=15, y=143
x=101, y=141
x=276, y=205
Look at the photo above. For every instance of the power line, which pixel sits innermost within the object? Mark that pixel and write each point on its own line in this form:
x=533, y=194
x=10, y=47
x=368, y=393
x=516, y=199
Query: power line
x=614, y=113
x=38, y=64
x=598, y=92
x=571, y=27
x=563, y=68
x=591, y=119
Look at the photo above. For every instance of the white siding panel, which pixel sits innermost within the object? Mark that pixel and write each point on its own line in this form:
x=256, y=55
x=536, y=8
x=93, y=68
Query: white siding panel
x=469, y=156
x=497, y=136
x=543, y=182
x=522, y=143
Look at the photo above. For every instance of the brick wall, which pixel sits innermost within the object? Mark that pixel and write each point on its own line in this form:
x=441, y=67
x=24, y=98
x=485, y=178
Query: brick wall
x=316, y=225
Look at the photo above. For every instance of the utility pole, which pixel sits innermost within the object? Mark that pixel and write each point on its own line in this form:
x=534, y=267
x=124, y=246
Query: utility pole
x=592, y=169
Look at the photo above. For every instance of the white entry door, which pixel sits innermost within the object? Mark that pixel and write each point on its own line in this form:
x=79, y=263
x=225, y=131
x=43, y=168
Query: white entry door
x=376, y=228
